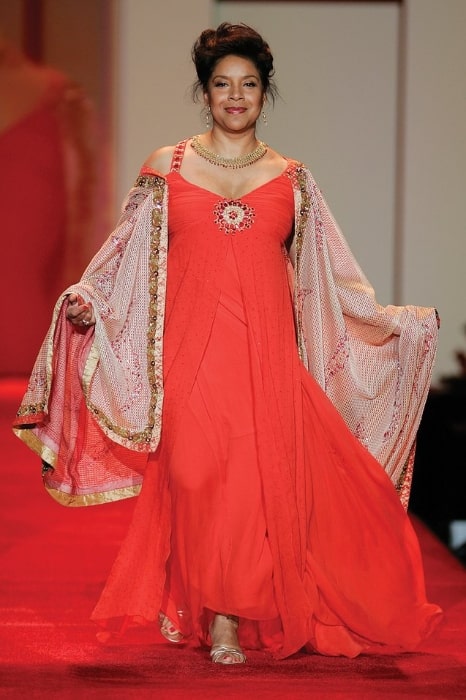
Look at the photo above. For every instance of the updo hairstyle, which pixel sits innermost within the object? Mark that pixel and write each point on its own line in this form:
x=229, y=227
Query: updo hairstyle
x=232, y=40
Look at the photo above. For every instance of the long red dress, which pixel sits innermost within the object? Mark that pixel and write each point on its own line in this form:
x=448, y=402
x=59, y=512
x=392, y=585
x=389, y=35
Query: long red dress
x=256, y=463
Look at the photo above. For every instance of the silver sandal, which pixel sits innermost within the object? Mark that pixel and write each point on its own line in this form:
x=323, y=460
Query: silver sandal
x=226, y=653
x=168, y=629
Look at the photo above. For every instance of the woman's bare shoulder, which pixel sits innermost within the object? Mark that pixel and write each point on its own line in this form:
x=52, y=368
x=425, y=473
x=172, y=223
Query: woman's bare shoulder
x=277, y=158
x=160, y=159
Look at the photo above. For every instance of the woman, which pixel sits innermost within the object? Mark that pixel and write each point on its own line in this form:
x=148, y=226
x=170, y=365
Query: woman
x=264, y=521
x=46, y=125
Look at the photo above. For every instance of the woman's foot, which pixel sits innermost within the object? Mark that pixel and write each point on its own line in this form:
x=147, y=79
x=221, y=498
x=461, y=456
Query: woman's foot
x=225, y=646
x=168, y=629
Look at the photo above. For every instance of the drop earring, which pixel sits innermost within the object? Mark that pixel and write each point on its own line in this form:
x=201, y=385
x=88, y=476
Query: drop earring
x=264, y=119
x=207, y=117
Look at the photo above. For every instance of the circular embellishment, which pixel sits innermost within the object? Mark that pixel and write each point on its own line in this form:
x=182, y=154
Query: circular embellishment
x=232, y=215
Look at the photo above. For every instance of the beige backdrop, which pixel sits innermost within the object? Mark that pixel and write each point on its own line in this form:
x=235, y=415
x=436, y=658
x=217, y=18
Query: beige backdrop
x=373, y=99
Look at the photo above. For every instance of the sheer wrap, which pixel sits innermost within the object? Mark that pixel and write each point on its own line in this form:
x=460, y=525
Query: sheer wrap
x=99, y=392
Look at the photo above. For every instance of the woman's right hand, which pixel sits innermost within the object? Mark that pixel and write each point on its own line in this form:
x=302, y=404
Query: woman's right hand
x=78, y=312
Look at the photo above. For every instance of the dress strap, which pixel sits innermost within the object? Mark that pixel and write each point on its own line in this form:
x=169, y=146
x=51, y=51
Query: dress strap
x=178, y=154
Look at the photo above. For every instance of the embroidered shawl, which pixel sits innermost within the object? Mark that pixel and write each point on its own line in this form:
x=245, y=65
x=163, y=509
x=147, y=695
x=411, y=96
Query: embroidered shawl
x=374, y=362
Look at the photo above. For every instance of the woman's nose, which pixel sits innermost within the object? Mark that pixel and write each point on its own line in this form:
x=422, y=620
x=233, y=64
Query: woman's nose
x=236, y=93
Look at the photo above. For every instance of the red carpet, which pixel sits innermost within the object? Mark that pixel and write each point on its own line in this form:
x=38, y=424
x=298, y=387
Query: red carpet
x=54, y=561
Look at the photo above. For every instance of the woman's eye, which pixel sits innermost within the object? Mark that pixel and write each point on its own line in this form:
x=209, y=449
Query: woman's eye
x=250, y=84
x=219, y=84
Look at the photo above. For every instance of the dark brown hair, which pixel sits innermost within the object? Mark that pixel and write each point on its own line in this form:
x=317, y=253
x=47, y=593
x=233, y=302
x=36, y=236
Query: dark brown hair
x=232, y=40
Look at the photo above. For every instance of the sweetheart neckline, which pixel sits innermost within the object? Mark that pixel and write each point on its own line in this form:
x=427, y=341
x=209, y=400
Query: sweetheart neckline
x=234, y=199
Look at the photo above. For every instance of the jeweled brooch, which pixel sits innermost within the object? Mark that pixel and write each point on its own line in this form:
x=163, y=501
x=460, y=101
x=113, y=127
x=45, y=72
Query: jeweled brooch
x=232, y=215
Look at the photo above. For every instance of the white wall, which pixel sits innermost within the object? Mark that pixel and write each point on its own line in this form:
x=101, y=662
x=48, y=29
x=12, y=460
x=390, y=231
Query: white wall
x=434, y=254
x=154, y=74
x=337, y=70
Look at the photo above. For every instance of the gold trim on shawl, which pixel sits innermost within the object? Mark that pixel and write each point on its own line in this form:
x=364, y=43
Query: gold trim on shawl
x=330, y=289
x=146, y=181
x=154, y=370
x=403, y=485
x=142, y=437
x=92, y=499
x=72, y=499
x=42, y=377
x=31, y=409
x=36, y=445
x=89, y=368
x=299, y=177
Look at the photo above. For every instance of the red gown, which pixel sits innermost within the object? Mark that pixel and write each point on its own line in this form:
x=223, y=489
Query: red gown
x=277, y=513
x=33, y=235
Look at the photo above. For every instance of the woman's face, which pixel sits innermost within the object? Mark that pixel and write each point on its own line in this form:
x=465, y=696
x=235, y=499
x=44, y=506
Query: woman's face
x=235, y=94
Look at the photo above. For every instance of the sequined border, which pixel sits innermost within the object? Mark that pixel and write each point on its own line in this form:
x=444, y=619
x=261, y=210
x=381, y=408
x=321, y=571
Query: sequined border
x=403, y=484
x=146, y=181
x=34, y=409
x=92, y=499
x=28, y=436
x=298, y=177
x=143, y=438
x=63, y=497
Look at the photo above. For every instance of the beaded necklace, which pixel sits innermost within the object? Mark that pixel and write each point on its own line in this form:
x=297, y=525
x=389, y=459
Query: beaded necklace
x=234, y=163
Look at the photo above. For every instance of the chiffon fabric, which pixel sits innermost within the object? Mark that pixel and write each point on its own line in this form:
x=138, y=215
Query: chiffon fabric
x=259, y=502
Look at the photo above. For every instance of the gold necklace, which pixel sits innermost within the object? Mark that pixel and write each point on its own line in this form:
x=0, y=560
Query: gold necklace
x=234, y=163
